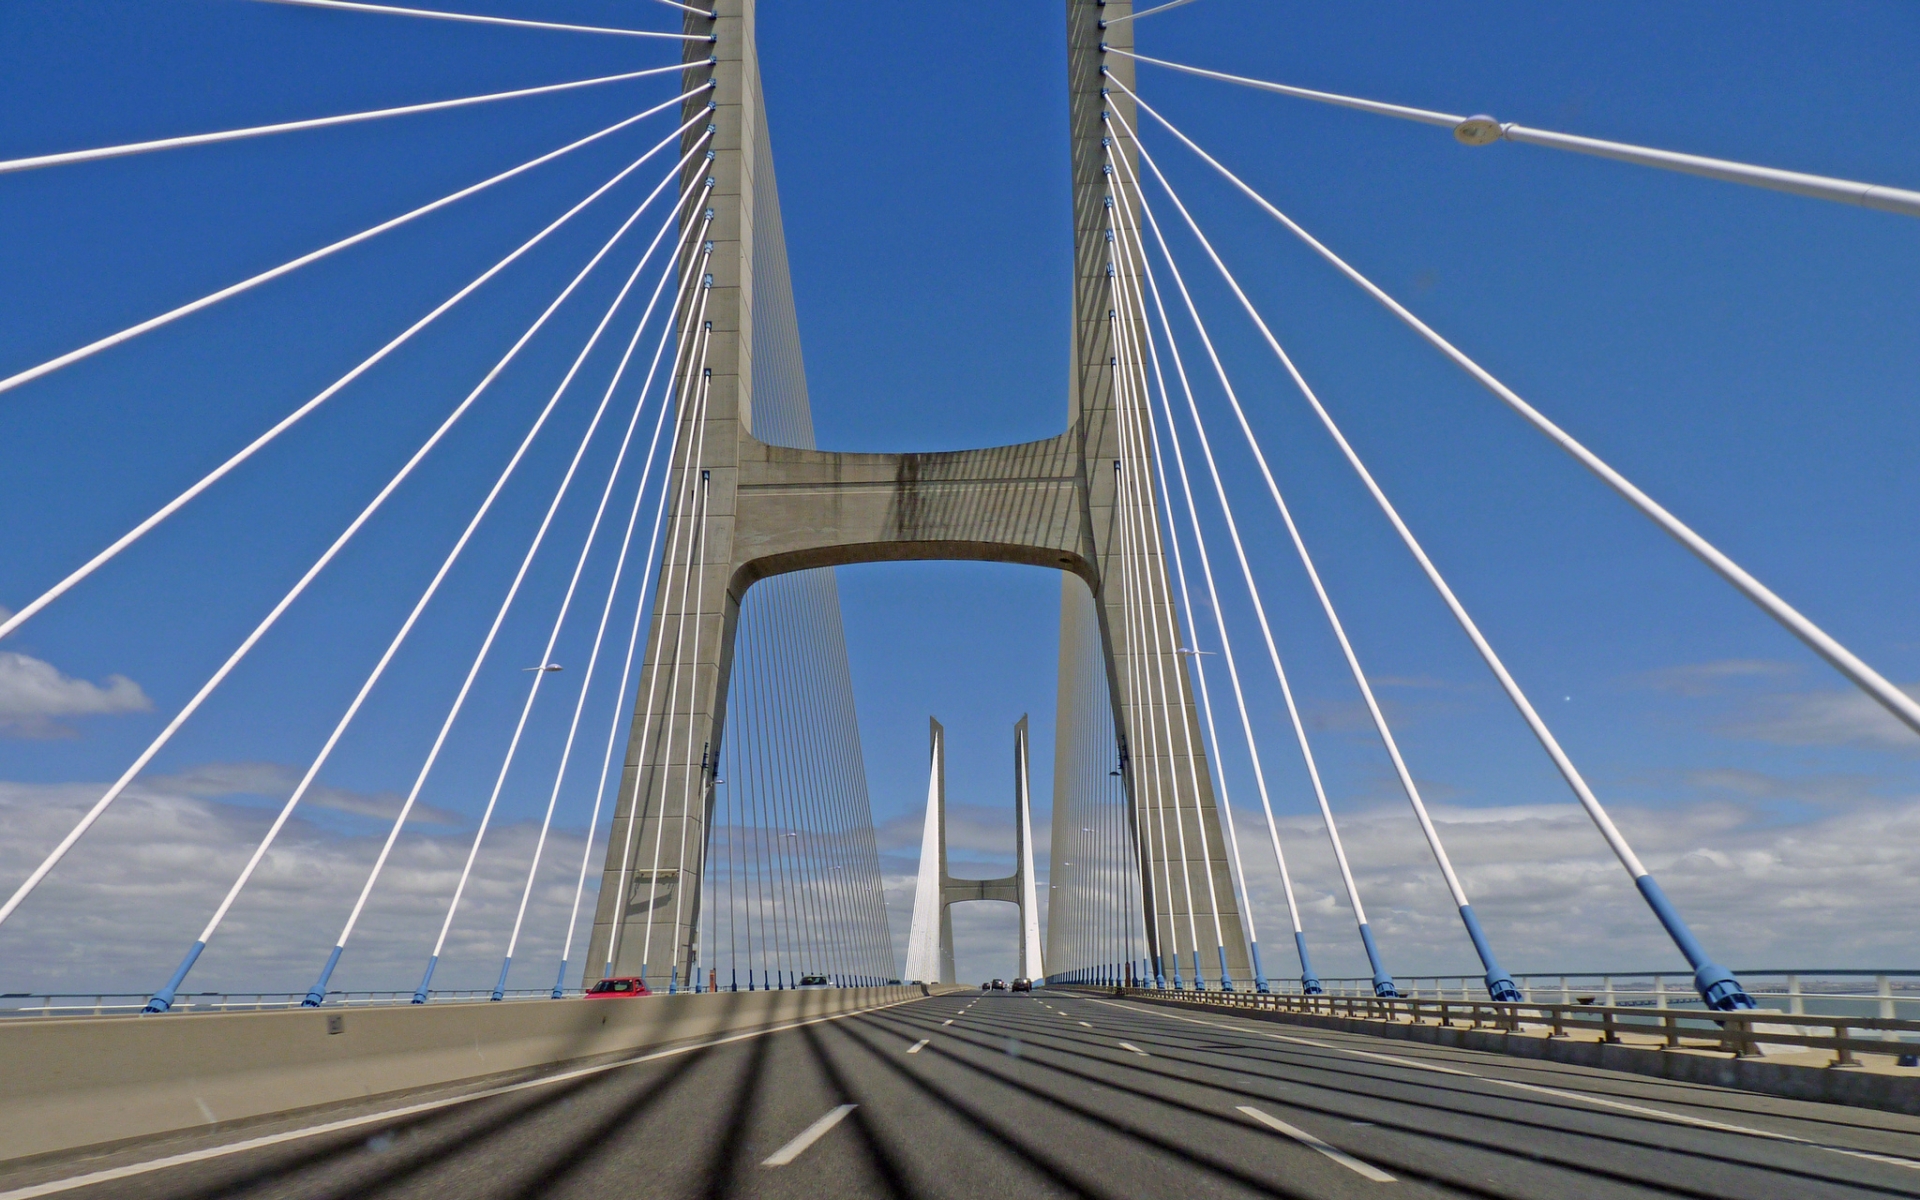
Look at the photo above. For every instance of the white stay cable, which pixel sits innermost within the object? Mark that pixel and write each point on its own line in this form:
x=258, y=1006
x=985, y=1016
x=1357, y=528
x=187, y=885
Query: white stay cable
x=546, y=654
x=93, y=564
x=708, y=13
x=1213, y=596
x=1141, y=799
x=613, y=588
x=1484, y=131
x=293, y=264
x=1141, y=614
x=393, y=647
x=1818, y=640
x=1200, y=666
x=696, y=564
x=1246, y=572
x=686, y=495
x=233, y=660
x=1144, y=442
x=436, y=14
x=7, y=166
x=1131, y=234
x=1306, y=560
x=493, y=631
x=466, y=686
x=689, y=347
x=1158, y=8
x=580, y=565
x=1591, y=803
x=1140, y=484
x=690, y=498
x=1499, y=983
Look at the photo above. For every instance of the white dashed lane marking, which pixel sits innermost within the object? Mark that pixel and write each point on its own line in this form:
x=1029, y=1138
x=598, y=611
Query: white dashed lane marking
x=1306, y=1139
x=808, y=1136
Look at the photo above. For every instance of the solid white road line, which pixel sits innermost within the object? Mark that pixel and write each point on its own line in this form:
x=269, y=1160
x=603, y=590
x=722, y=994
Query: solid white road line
x=1135, y=1049
x=55, y=1186
x=1560, y=1093
x=808, y=1136
x=1306, y=1139
x=918, y=1046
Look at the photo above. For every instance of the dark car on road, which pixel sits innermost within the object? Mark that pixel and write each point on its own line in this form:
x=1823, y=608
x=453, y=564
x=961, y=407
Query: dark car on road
x=1023, y=985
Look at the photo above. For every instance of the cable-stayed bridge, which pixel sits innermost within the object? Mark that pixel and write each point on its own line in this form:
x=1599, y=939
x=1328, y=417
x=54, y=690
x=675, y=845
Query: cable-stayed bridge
x=690, y=692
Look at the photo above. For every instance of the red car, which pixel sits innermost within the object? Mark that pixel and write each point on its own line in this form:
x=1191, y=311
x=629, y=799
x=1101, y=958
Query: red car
x=624, y=987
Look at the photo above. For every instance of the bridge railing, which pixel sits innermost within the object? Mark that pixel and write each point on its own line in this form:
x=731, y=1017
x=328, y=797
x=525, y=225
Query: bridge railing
x=1746, y=1033
x=1868, y=992
x=101, y=1004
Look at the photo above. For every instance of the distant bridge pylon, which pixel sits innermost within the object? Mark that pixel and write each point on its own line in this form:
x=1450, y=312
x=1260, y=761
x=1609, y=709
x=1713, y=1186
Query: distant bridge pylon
x=930, y=940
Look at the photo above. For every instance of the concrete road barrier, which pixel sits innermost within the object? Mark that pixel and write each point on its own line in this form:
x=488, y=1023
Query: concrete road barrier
x=67, y=1082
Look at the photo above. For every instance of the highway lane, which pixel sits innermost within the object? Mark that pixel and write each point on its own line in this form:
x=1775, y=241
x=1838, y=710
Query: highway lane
x=1054, y=1095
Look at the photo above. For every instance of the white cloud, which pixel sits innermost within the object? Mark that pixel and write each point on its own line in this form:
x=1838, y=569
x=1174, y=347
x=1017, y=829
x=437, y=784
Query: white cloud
x=1760, y=893
x=1761, y=703
x=1714, y=678
x=34, y=693
x=1831, y=718
x=129, y=899
x=213, y=781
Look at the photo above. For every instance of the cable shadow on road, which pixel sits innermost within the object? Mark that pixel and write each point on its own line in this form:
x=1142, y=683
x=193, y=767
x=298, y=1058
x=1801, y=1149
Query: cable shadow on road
x=989, y=1045
x=1325, y=1060
x=892, y=1171
x=1705, y=1096
x=406, y=1141
x=724, y=1170
x=573, y=1155
x=860, y=1032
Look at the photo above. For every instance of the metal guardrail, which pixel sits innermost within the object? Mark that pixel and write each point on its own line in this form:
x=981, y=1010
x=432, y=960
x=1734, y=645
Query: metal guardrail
x=1741, y=1033
x=1879, y=992
x=103, y=1004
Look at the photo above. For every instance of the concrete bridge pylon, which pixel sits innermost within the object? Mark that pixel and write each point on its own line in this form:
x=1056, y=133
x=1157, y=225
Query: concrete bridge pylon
x=746, y=510
x=930, y=938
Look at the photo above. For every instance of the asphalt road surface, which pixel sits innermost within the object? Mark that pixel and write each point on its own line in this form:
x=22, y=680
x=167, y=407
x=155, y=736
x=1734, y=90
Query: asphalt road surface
x=1052, y=1095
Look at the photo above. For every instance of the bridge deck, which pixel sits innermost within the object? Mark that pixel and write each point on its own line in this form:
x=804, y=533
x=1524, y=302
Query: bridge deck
x=1057, y=1095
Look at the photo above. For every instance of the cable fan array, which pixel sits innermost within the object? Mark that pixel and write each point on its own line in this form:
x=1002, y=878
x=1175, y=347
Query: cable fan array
x=1151, y=376
x=792, y=883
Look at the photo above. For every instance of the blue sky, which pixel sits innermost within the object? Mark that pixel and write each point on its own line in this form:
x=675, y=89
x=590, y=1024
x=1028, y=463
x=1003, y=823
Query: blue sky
x=1750, y=358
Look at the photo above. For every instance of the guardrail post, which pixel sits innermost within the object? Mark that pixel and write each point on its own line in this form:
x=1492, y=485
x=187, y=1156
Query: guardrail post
x=1741, y=1027
x=1843, y=1052
x=1607, y=1032
x=1559, y=1021
x=1796, y=1004
x=1884, y=990
x=1671, y=1023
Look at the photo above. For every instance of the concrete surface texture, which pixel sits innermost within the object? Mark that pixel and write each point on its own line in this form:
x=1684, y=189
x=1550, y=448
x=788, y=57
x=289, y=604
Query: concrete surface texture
x=755, y=510
x=972, y=1095
x=83, y=1081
